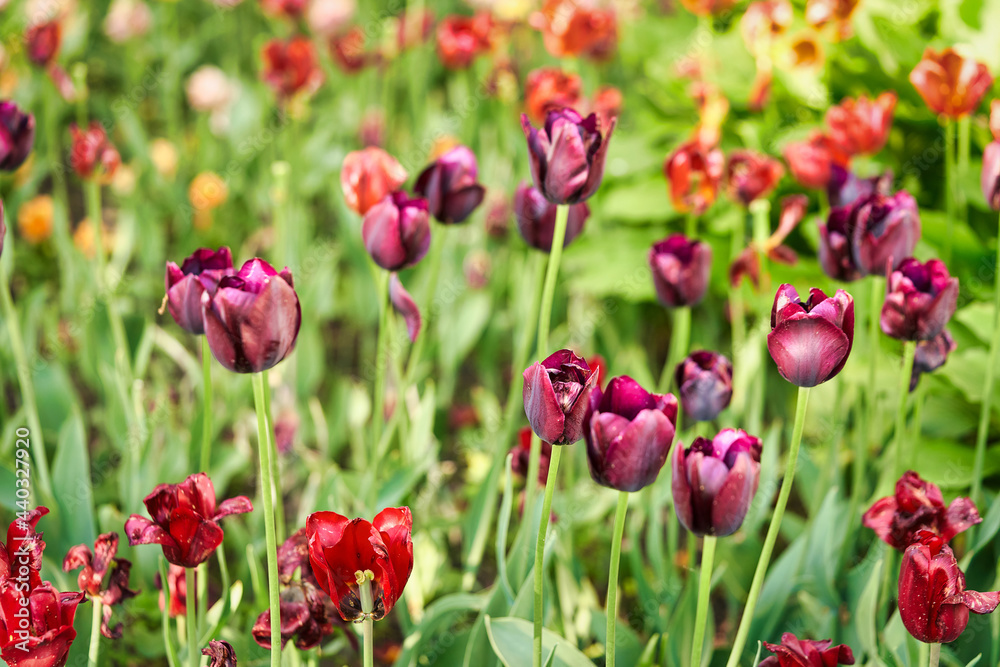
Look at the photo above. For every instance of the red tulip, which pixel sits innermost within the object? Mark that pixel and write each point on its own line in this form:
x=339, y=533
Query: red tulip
x=449, y=185
x=348, y=51
x=751, y=176
x=861, y=127
x=557, y=397
x=21, y=555
x=950, y=83
x=694, y=174
x=36, y=627
x=550, y=88
x=680, y=268
x=574, y=28
x=367, y=176
x=290, y=66
x=921, y=300
x=292, y=9
x=17, y=136
x=607, y=104
x=92, y=153
x=198, y=274
x=460, y=39
x=567, y=155
x=810, y=340
x=845, y=188
x=795, y=652
x=177, y=587
x=96, y=566
x=812, y=161
x=42, y=42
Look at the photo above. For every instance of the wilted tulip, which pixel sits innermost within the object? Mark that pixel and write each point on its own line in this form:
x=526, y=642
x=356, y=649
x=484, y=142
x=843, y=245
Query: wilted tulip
x=556, y=397
x=367, y=176
x=17, y=136
x=536, y=218
x=628, y=433
x=694, y=173
x=404, y=304
x=42, y=41
x=883, y=229
x=861, y=127
x=950, y=83
x=567, y=155
x=220, y=654
x=680, y=268
x=449, y=186
x=21, y=554
x=577, y=28
x=921, y=300
x=812, y=161
x=845, y=188
x=751, y=176
x=36, y=626
x=343, y=553
x=810, y=340
x=96, y=566
x=714, y=482
x=931, y=355
x=705, y=384
x=795, y=652
x=551, y=88
x=933, y=602
x=92, y=153
x=290, y=66
x=199, y=273
x=460, y=39
x=396, y=231
x=990, y=178
x=522, y=455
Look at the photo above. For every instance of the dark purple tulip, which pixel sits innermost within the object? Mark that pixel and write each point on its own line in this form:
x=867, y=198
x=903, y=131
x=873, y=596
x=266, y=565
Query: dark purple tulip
x=680, y=269
x=253, y=318
x=449, y=186
x=714, y=481
x=557, y=397
x=705, y=384
x=628, y=433
x=810, y=340
x=884, y=228
x=404, y=304
x=844, y=188
x=836, y=251
x=921, y=300
x=567, y=155
x=397, y=231
x=536, y=218
x=931, y=355
x=990, y=179
x=17, y=136
x=220, y=654
x=198, y=274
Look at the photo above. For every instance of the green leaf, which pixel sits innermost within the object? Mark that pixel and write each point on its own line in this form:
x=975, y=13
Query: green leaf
x=551, y=658
x=71, y=484
x=867, y=611
x=511, y=639
x=503, y=525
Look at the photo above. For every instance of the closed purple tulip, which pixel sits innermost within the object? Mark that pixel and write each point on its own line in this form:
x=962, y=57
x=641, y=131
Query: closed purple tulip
x=253, y=318
x=557, y=397
x=17, y=136
x=628, y=433
x=990, y=179
x=836, y=248
x=844, y=187
x=810, y=340
x=397, y=231
x=884, y=228
x=680, y=269
x=198, y=274
x=536, y=218
x=567, y=155
x=714, y=481
x=931, y=355
x=705, y=384
x=921, y=300
x=449, y=186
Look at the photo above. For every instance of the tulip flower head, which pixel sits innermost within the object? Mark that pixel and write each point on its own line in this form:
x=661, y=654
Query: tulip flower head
x=705, y=384
x=449, y=186
x=751, y=176
x=844, y=188
x=567, y=155
x=197, y=274
x=21, y=554
x=396, y=231
x=577, y=28
x=42, y=41
x=990, y=175
x=220, y=654
x=810, y=340
x=950, y=83
x=290, y=67
x=349, y=53
x=795, y=652
x=694, y=173
x=367, y=176
x=36, y=626
x=550, y=88
x=715, y=480
x=17, y=136
x=460, y=39
x=861, y=126
x=101, y=570
x=348, y=554
x=92, y=154
x=185, y=520
x=884, y=229
x=921, y=300
x=536, y=218
x=557, y=397
x=931, y=355
x=933, y=602
x=680, y=268
x=836, y=252
x=812, y=161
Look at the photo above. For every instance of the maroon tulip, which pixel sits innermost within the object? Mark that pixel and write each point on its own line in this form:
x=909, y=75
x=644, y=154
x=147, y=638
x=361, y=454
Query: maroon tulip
x=921, y=300
x=680, y=269
x=567, y=155
x=694, y=173
x=42, y=41
x=557, y=397
x=884, y=229
x=185, y=520
x=714, y=481
x=810, y=340
x=522, y=456
x=92, y=153
x=705, y=384
x=795, y=652
x=751, y=176
x=536, y=218
x=628, y=433
x=220, y=654
x=198, y=274
x=36, y=627
x=845, y=188
x=449, y=186
x=253, y=319
x=21, y=555
x=341, y=550
x=918, y=506
x=17, y=136
x=931, y=355
x=933, y=602
x=397, y=231
x=404, y=304
x=836, y=251
x=990, y=179
x=96, y=566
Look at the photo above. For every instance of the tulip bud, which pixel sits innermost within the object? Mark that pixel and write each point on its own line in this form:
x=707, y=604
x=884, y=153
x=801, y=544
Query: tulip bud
x=628, y=433
x=549, y=88
x=680, y=268
x=290, y=66
x=536, y=218
x=714, y=482
x=450, y=187
x=861, y=127
x=931, y=355
x=367, y=176
x=751, y=176
x=810, y=340
x=93, y=153
x=694, y=173
x=567, y=155
x=812, y=161
x=933, y=602
x=607, y=104
x=921, y=300
x=397, y=231
x=42, y=42
x=199, y=273
x=990, y=179
x=17, y=136
x=461, y=38
x=556, y=397
x=950, y=83
x=795, y=652
x=705, y=384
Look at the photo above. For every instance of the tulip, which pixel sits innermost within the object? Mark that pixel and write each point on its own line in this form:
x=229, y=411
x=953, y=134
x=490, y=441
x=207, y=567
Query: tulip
x=713, y=106
x=990, y=180
x=17, y=136
x=918, y=506
x=950, y=83
x=861, y=127
x=628, y=432
x=708, y=7
x=844, y=188
x=751, y=176
x=607, y=104
x=42, y=42
x=921, y=300
x=812, y=161
x=460, y=39
x=449, y=186
x=92, y=153
x=551, y=88
x=680, y=269
x=198, y=274
x=995, y=119
x=346, y=554
x=177, y=587
x=694, y=173
x=536, y=218
x=397, y=232
x=931, y=355
x=522, y=456
x=368, y=176
x=290, y=66
x=836, y=252
x=883, y=228
x=567, y=155
x=404, y=304
x=292, y=9
x=714, y=482
x=810, y=341
x=348, y=51
x=705, y=384
x=557, y=397
x=838, y=12
x=933, y=603
x=36, y=626
x=220, y=654
x=795, y=652
x=253, y=318
x=414, y=29
x=23, y=549
x=570, y=28
x=96, y=566
x=185, y=520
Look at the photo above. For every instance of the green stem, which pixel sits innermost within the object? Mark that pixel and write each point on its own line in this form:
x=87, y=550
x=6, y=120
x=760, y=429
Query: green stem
x=773, y=529
x=909, y=350
x=551, y=274
x=194, y=652
x=616, y=554
x=874, y=308
x=206, y=400
x=760, y=211
x=381, y=360
x=679, y=341
x=92, y=194
x=368, y=624
x=60, y=193
x=267, y=490
x=280, y=170
x=962, y=173
x=95, y=634
x=272, y=443
x=949, y=181
x=985, y=410
x=704, y=591
x=736, y=305
x=935, y=655
x=691, y=225
x=434, y=273
x=543, y=524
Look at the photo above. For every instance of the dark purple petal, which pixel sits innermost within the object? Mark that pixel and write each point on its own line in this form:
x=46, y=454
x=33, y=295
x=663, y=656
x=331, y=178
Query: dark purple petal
x=404, y=304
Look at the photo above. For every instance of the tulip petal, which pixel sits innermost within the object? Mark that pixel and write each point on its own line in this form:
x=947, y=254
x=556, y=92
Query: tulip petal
x=808, y=351
x=732, y=501
x=634, y=458
x=272, y=326
x=541, y=405
x=237, y=505
x=404, y=304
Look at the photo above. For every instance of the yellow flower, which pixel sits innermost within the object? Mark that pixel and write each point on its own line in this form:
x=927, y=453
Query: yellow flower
x=34, y=219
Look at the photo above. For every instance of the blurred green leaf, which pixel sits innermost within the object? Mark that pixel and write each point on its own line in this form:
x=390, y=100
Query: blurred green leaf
x=511, y=639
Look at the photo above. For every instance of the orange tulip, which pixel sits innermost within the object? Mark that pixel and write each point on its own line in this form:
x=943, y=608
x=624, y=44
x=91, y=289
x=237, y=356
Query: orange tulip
x=367, y=176
x=950, y=83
